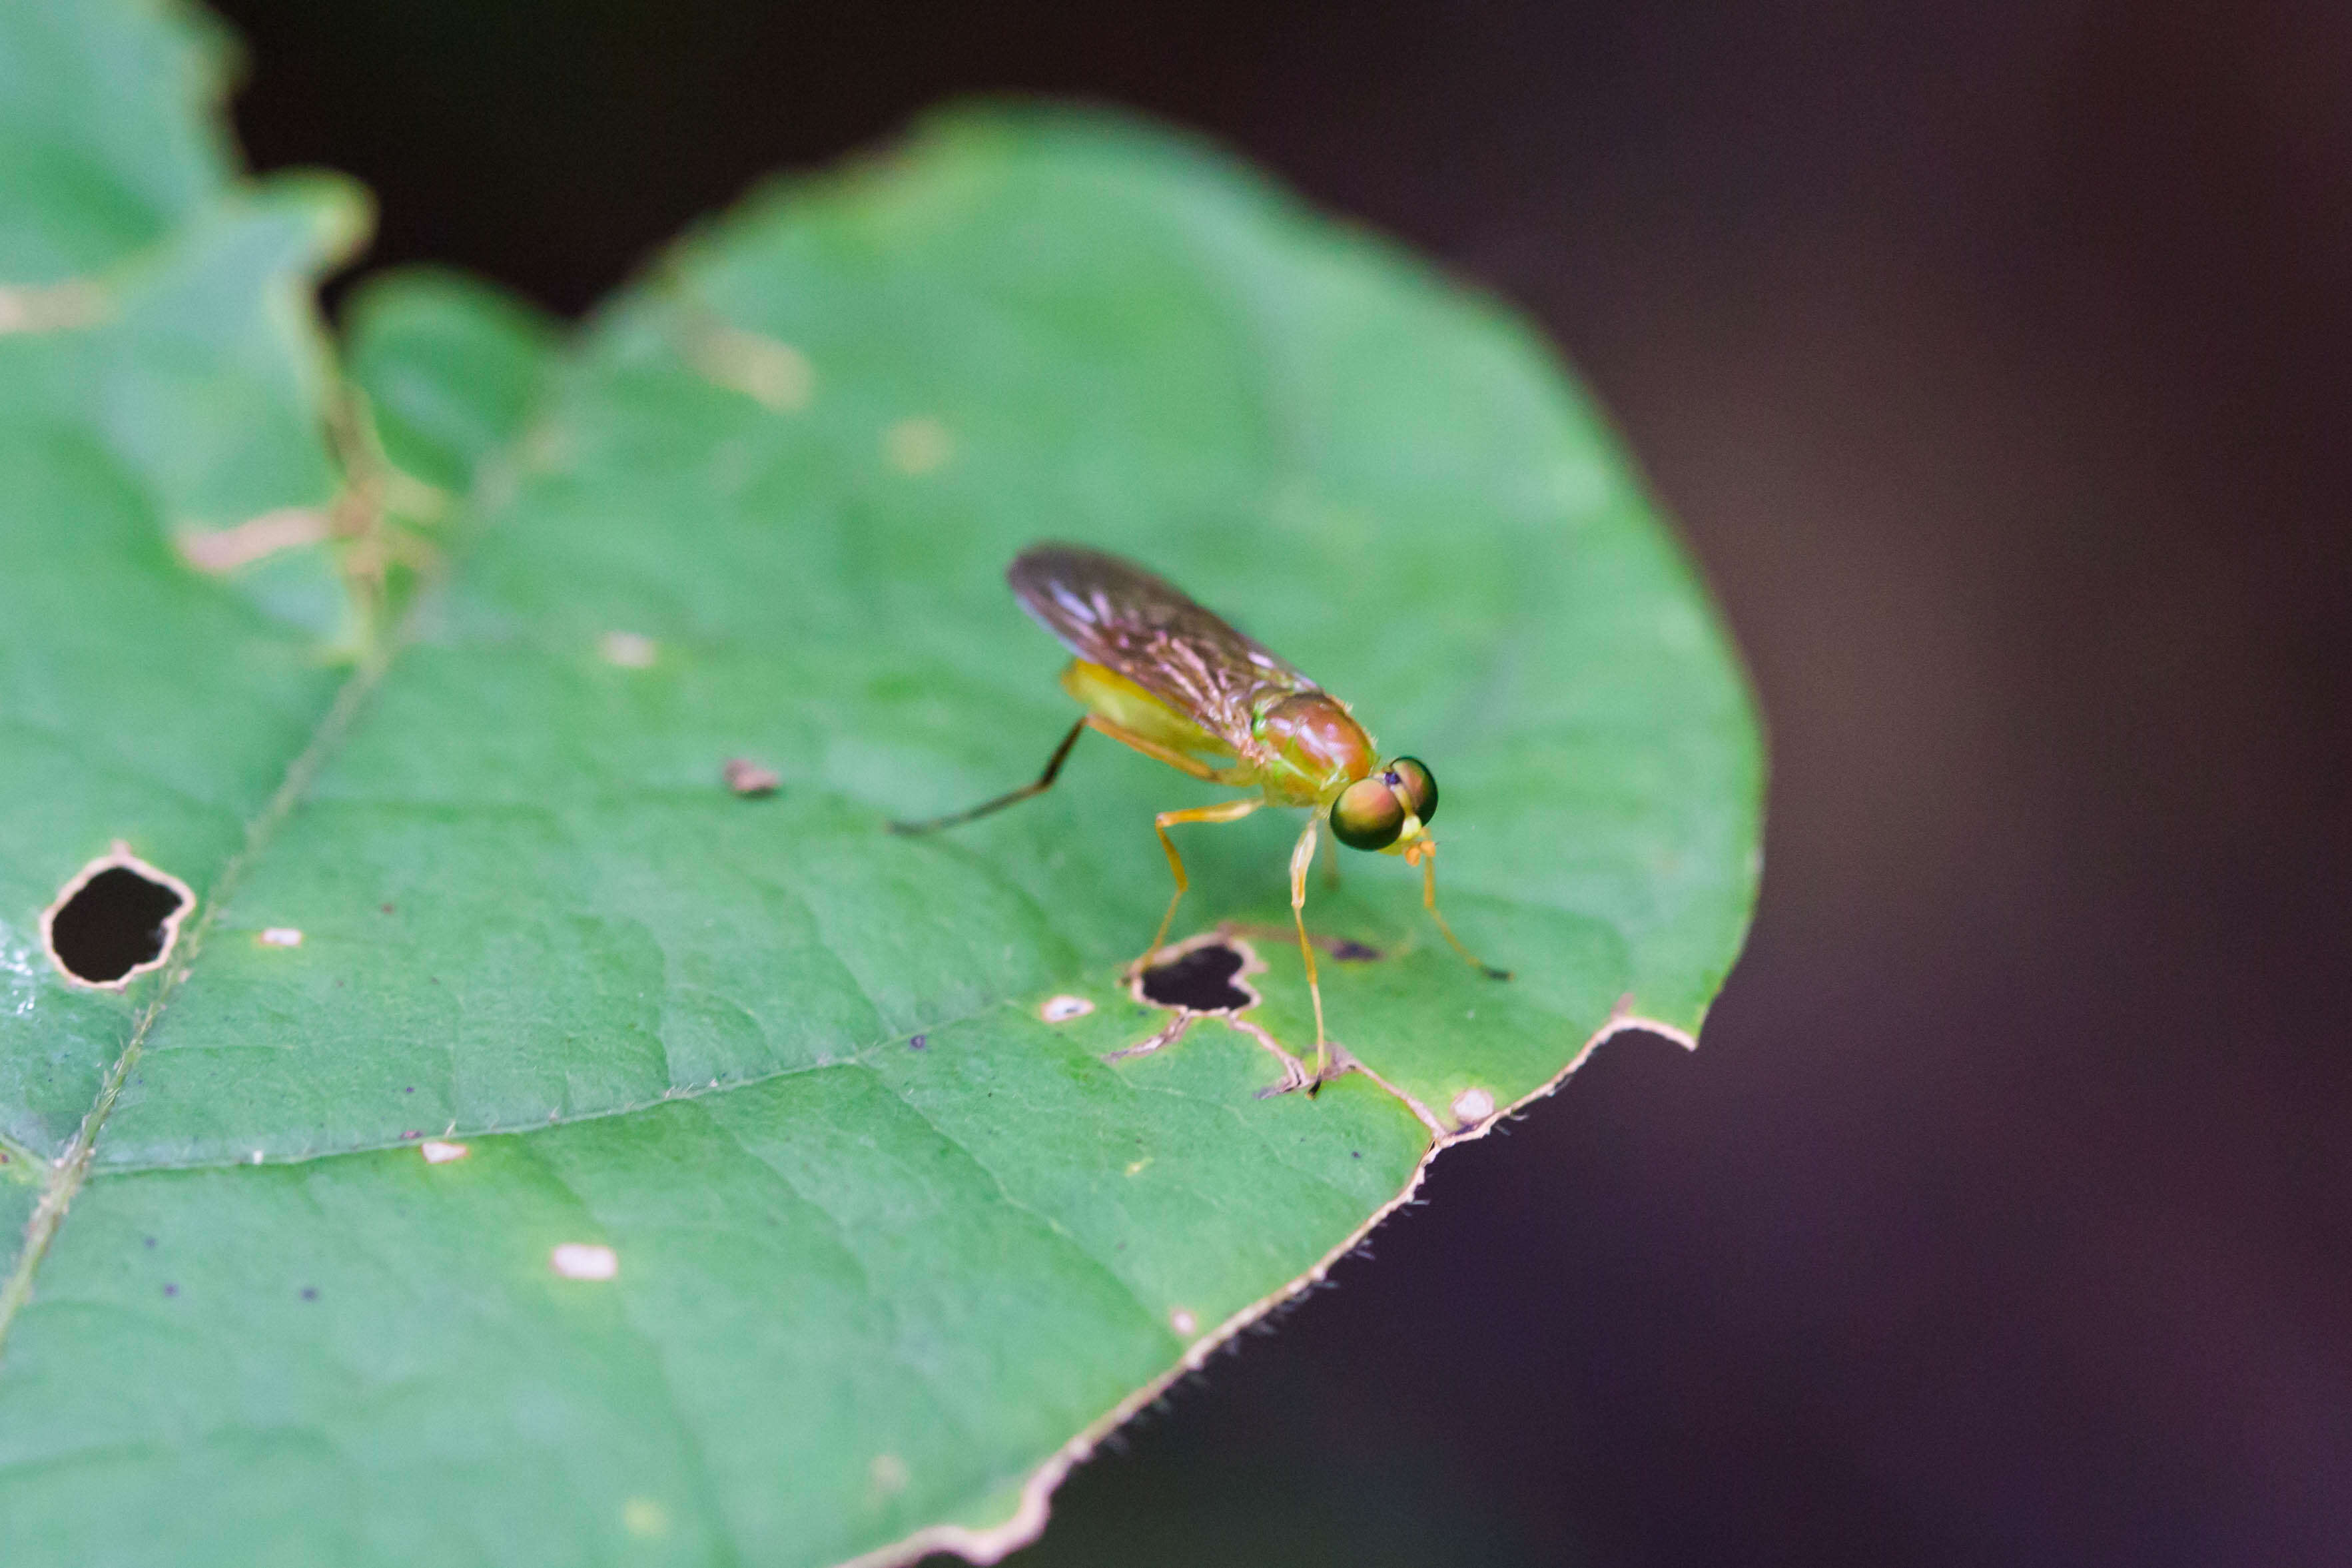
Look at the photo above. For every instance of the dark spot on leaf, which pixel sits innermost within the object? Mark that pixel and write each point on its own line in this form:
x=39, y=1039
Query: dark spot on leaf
x=147, y=1240
x=1347, y=951
x=387, y=908
x=410, y=1089
x=114, y=924
x=309, y=1292
x=918, y=1042
x=418, y=1134
x=1355, y=1153
x=170, y=1290
x=1200, y=979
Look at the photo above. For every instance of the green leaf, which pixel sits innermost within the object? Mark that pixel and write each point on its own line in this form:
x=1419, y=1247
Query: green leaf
x=450, y=367
x=108, y=134
x=891, y=1241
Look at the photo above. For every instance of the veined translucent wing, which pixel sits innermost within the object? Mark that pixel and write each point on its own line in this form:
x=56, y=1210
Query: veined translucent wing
x=1113, y=612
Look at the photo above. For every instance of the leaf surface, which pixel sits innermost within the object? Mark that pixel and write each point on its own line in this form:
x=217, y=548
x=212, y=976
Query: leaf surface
x=884, y=1247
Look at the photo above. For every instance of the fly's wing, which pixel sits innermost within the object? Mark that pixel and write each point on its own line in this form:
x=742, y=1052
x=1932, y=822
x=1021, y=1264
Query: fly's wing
x=1113, y=612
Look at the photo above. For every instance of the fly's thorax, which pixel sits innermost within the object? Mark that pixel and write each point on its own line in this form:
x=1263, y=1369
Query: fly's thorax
x=1313, y=748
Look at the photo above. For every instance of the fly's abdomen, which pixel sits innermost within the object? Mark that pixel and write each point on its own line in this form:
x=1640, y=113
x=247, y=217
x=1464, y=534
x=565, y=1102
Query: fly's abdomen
x=1131, y=708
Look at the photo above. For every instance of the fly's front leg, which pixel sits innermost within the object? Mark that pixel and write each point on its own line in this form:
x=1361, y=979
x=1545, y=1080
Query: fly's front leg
x=1226, y=811
x=1301, y=859
x=1424, y=855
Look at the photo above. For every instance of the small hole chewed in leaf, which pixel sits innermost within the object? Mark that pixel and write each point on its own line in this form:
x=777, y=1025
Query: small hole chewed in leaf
x=1200, y=978
x=117, y=917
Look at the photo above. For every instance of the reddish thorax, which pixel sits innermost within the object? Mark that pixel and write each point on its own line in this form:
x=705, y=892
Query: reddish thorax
x=1314, y=749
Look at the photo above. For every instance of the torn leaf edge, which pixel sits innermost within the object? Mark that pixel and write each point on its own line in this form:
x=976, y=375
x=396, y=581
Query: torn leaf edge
x=982, y=1546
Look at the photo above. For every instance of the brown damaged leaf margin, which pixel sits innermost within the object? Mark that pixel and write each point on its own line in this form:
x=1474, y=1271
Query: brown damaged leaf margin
x=991, y=1544
x=218, y=552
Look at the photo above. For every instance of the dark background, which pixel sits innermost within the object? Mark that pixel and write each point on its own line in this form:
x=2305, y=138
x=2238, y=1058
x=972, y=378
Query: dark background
x=1994, y=356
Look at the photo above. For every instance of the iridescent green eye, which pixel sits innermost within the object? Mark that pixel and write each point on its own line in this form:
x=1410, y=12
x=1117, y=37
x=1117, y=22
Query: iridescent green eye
x=1367, y=815
x=1419, y=784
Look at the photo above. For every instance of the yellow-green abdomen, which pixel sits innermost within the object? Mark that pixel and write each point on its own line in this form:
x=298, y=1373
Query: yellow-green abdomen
x=1129, y=706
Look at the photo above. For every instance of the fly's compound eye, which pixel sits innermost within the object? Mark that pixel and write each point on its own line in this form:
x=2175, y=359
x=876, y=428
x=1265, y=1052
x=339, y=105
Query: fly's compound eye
x=1412, y=778
x=1367, y=815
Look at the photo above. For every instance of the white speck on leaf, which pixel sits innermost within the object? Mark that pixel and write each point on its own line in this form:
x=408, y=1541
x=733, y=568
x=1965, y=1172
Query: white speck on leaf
x=630, y=651
x=1182, y=1321
x=918, y=445
x=643, y=1516
x=584, y=1260
x=761, y=368
x=437, y=1153
x=889, y=1473
x=58, y=307
x=20, y=977
x=1473, y=1105
x=1062, y=1009
x=281, y=936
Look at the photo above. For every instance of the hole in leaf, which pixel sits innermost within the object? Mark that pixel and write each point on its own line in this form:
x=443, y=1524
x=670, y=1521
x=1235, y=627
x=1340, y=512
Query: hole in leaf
x=1200, y=978
x=117, y=919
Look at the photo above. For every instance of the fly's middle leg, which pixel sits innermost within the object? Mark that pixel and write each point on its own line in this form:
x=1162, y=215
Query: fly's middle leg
x=1301, y=857
x=1225, y=811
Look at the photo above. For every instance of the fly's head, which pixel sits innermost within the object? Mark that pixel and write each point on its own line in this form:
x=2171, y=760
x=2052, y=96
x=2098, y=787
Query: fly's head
x=1388, y=810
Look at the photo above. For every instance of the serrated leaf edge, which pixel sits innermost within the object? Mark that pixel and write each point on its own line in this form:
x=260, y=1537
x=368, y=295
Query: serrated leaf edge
x=984, y=1545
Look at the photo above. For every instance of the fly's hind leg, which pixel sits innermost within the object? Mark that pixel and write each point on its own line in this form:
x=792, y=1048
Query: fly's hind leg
x=1224, y=811
x=1010, y=797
